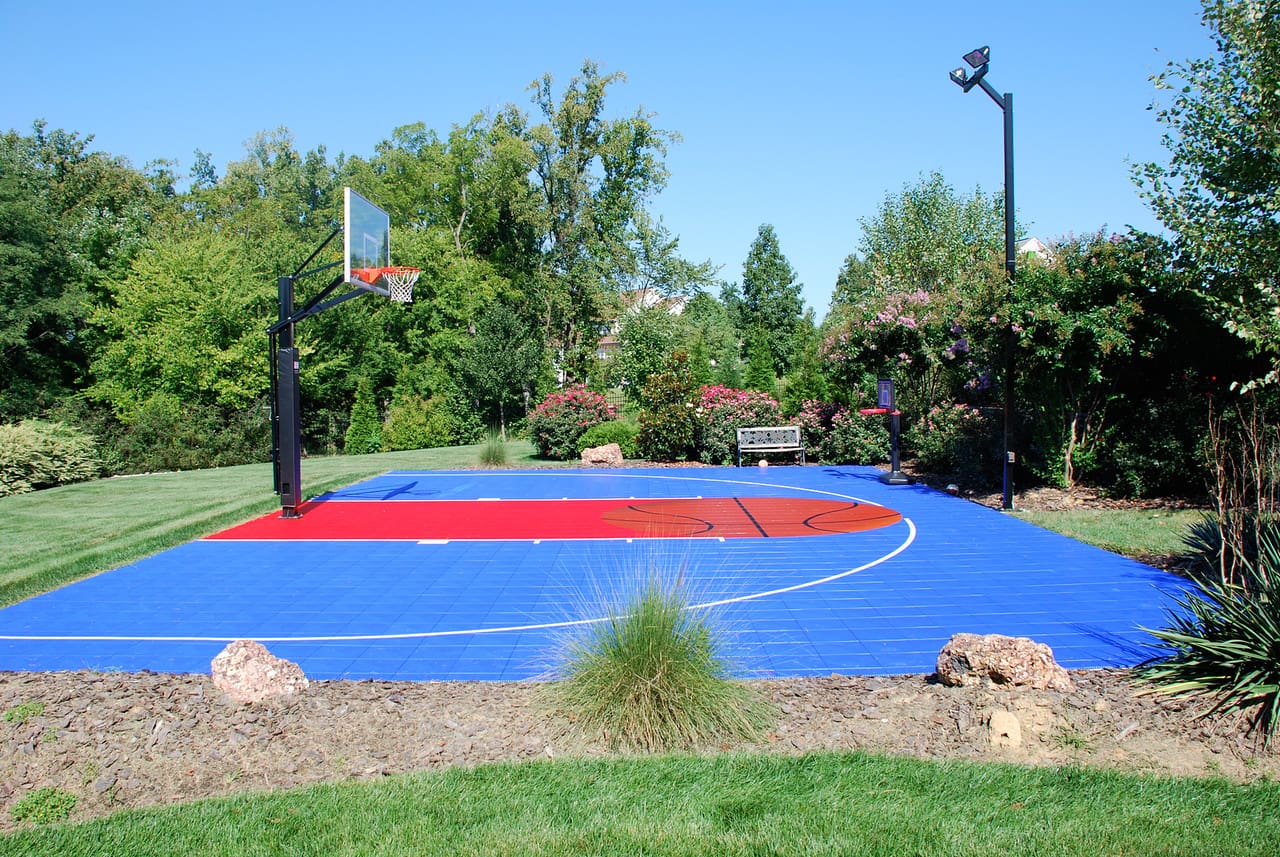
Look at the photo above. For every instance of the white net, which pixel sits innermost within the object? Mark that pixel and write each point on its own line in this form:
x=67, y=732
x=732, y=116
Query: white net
x=399, y=283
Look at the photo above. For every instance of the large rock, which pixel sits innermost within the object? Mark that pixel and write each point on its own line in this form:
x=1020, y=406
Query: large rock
x=247, y=672
x=609, y=455
x=971, y=659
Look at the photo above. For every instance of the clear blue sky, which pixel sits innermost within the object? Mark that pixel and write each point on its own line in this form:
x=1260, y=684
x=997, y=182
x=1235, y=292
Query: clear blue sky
x=801, y=114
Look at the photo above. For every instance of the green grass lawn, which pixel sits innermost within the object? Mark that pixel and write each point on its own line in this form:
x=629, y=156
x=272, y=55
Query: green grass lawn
x=822, y=803
x=1132, y=532
x=50, y=538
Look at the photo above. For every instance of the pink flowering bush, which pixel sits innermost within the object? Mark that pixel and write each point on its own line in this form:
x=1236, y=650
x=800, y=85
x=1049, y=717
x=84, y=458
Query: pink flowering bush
x=721, y=411
x=839, y=435
x=564, y=416
x=951, y=439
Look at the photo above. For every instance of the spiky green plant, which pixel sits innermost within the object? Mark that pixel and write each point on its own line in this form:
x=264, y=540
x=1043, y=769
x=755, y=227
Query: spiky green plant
x=1223, y=643
x=494, y=451
x=649, y=676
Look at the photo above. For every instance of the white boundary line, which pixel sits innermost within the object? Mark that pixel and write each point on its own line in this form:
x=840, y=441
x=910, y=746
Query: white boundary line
x=422, y=635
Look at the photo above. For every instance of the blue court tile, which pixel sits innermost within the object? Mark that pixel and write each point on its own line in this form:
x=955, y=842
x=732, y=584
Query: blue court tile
x=877, y=602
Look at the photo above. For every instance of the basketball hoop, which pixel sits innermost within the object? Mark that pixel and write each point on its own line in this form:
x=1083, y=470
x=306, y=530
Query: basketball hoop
x=399, y=281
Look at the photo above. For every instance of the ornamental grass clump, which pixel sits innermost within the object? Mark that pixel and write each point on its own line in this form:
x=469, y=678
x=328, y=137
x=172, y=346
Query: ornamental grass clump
x=649, y=677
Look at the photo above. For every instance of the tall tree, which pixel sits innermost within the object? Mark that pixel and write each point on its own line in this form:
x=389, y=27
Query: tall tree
x=501, y=363
x=771, y=301
x=1220, y=191
x=594, y=176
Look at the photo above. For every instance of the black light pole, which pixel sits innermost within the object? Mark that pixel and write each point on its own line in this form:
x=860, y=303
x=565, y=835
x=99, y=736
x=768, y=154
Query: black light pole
x=978, y=60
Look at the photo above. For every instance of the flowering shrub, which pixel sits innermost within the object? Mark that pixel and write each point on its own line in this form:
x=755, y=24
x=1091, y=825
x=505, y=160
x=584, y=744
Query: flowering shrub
x=721, y=411
x=563, y=416
x=839, y=435
x=950, y=439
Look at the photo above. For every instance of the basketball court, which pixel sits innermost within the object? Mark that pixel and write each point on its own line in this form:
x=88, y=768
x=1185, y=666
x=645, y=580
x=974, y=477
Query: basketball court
x=479, y=575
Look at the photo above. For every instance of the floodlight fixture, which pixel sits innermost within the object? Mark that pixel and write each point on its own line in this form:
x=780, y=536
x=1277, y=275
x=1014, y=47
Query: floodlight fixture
x=959, y=77
x=978, y=57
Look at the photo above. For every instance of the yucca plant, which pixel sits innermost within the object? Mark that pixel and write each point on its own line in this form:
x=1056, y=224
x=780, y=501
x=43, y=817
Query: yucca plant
x=649, y=676
x=1223, y=643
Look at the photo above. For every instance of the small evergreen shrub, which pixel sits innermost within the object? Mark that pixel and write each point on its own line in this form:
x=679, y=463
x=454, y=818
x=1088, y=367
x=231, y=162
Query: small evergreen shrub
x=722, y=411
x=650, y=677
x=44, y=806
x=413, y=422
x=668, y=419
x=626, y=435
x=35, y=454
x=563, y=417
x=364, y=434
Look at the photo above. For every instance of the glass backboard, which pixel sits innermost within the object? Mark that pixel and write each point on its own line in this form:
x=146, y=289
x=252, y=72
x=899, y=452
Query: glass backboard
x=366, y=238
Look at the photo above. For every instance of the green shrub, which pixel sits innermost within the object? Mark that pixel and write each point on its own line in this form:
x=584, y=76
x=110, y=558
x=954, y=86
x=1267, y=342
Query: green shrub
x=44, y=806
x=164, y=433
x=35, y=454
x=364, y=434
x=839, y=435
x=649, y=677
x=563, y=417
x=626, y=435
x=413, y=422
x=721, y=412
x=668, y=420
x=1223, y=643
x=950, y=440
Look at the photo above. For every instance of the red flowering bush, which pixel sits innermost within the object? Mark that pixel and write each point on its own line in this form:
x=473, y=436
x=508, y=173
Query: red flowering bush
x=721, y=411
x=950, y=439
x=840, y=435
x=556, y=424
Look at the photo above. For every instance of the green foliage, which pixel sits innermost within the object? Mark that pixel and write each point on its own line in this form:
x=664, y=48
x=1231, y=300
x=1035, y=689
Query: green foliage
x=163, y=433
x=952, y=440
x=626, y=435
x=650, y=676
x=186, y=320
x=721, y=412
x=44, y=806
x=413, y=422
x=591, y=176
x=771, y=306
x=502, y=362
x=21, y=713
x=494, y=451
x=646, y=341
x=36, y=454
x=364, y=433
x=1223, y=642
x=839, y=435
x=916, y=302
x=1220, y=191
x=668, y=422
x=760, y=364
x=562, y=417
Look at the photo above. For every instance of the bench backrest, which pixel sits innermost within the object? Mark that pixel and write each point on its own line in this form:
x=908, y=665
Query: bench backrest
x=769, y=436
